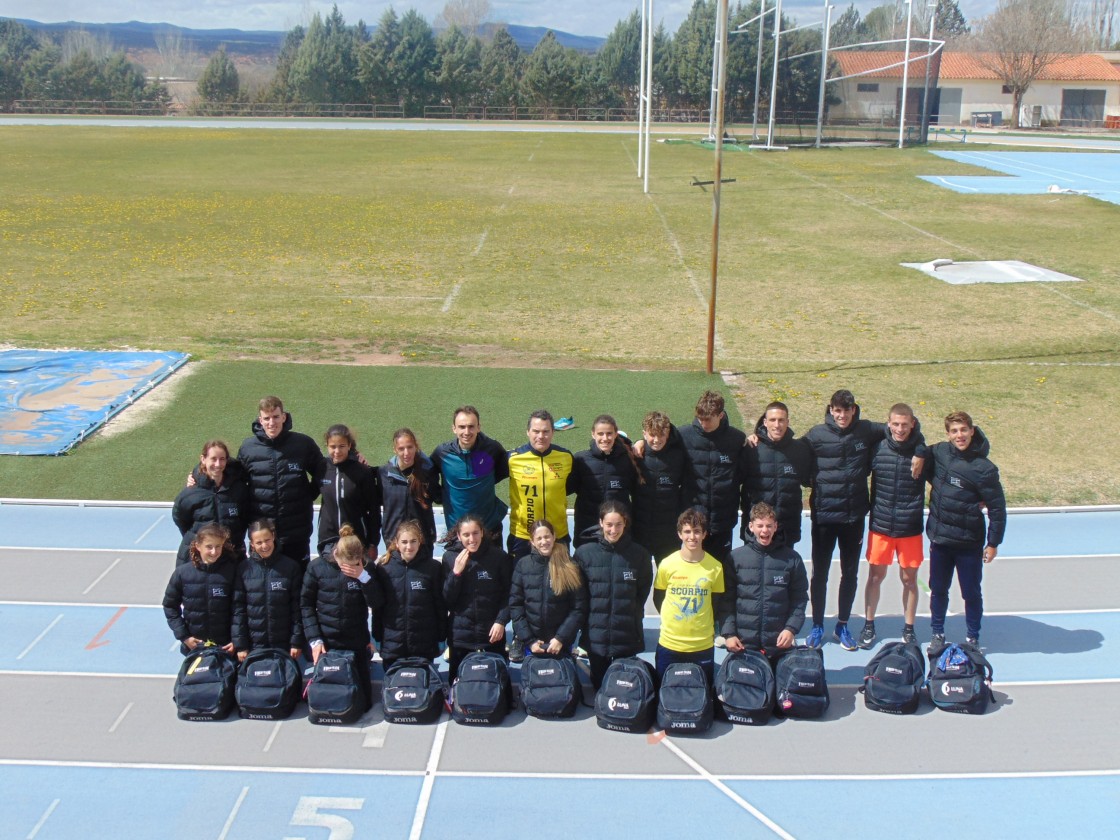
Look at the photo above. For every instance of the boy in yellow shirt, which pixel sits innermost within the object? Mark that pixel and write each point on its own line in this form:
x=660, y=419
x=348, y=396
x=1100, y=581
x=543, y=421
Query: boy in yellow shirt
x=688, y=593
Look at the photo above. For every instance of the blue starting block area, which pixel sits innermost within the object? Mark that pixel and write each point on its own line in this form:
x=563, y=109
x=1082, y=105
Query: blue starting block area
x=1095, y=174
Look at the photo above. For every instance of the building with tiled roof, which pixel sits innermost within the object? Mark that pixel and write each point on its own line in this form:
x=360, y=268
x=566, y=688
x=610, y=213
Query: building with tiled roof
x=1073, y=90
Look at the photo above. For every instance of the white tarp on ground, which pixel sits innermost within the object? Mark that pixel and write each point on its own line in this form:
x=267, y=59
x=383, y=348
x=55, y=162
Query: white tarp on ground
x=990, y=271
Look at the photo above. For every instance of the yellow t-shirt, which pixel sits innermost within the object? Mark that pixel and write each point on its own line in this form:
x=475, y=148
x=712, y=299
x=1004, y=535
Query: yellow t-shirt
x=687, y=616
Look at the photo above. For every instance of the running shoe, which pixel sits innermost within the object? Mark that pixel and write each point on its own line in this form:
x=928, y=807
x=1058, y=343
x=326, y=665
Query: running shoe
x=815, y=637
x=867, y=636
x=937, y=641
x=972, y=642
x=516, y=650
x=909, y=637
x=844, y=636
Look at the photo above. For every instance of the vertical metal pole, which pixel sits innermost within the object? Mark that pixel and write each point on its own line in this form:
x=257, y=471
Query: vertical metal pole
x=642, y=92
x=717, y=58
x=905, y=75
x=649, y=95
x=774, y=78
x=758, y=68
x=926, y=110
x=824, y=69
x=718, y=183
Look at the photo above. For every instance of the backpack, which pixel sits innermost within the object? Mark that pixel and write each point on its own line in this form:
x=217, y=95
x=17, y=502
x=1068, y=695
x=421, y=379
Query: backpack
x=960, y=680
x=744, y=688
x=801, y=684
x=333, y=694
x=269, y=684
x=550, y=686
x=481, y=694
x=412, y=691
x=205, y=685
x=684, y=703
x=893, y=679
x=627, y=699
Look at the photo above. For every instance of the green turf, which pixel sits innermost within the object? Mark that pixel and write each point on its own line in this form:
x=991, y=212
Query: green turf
x=349, y=246
x=218, y=400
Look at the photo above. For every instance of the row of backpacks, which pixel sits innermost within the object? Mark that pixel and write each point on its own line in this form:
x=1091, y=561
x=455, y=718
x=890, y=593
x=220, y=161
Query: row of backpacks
x=268, y=684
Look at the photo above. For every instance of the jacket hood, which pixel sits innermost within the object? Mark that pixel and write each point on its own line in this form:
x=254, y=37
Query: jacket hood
x=979, y=448
x=763, y=437
x=907, y=446
x=258, y=431
x=595, y=533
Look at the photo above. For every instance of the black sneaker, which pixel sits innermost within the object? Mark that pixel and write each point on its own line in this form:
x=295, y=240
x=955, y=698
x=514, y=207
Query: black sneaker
x=937, y=641
x=909, y=637
x=516, y=650
x=972, y=642
x=867, y=636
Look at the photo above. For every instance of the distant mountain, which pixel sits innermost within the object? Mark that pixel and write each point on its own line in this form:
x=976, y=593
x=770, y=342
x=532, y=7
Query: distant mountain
x=135, y=36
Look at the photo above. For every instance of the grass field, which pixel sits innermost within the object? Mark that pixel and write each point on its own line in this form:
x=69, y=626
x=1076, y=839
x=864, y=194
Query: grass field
x=472, y=251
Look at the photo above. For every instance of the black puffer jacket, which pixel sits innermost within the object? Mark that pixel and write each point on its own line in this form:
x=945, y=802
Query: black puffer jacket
x=412, y=620
x=843, y=456
x=619, y=577
x=351, y=495
x=266, y=605
x=597, y=477
x=281, y=478
x=398, y=504
x=717, y=468
x=775, y=472
x=666, y=490
x=199, y=600
x=536, y=611
x=897, y=500
x=960, y=481
x=770, y=589
x=336, y=607
x=205, y=503
x=479, y=597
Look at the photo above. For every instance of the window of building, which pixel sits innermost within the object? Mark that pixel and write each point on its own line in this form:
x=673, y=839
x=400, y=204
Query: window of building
x=867, y=87
x=1006, y=89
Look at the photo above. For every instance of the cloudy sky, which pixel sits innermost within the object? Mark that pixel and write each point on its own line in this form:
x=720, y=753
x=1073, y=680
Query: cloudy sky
x=580, y=17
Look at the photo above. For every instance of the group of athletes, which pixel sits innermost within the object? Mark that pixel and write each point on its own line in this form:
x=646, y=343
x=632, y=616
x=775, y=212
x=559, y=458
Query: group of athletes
x=658, y=513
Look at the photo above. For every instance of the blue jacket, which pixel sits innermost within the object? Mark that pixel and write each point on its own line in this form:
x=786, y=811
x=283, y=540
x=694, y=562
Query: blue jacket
x=467, y=480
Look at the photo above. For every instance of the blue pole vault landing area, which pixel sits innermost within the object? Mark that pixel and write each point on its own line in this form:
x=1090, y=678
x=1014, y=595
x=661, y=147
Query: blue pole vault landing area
x=53, y=399
x=1036, y=173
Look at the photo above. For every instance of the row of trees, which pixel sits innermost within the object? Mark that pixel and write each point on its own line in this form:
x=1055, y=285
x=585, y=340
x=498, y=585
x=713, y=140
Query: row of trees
x=79, y=67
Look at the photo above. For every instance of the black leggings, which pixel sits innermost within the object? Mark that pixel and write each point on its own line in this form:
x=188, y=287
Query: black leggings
x=825, y=538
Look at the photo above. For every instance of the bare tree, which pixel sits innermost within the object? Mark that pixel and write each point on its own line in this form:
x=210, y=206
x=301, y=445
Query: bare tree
x=178, y=58
x=1020, y=39
x=468, y=15
x=1098, y=20
x=76, y=41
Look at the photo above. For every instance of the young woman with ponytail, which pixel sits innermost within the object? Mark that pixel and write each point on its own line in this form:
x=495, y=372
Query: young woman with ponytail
x=412, y=620
x=547, y=598
x=409, y=487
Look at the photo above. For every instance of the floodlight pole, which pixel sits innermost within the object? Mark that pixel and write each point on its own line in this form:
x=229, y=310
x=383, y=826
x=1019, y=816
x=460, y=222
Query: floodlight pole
x=774, y=77
x=721, y=25
x=758, y=67
x=905, y=74
x=649, y=92
x=642, y=93
x=824, y=69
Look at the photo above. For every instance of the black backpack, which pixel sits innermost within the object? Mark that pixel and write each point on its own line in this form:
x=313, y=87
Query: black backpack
x=744, y=688
x=205, y=685
x=684, y=703
x=801, y=684
x=627, y=699
x=893, y=679
x=269, y=684
x=481, y=694
x=550, y=686
x=333, y=694
x=412, y=691
x=960, y=680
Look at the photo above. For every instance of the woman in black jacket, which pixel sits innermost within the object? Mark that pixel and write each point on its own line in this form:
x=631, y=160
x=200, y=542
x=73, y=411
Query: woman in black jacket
x=476, y=579
x=351, y=493
x=409, y=487
x=216, y=491
x=605, y=470
x=266, y=605
x=619, y=574
x=547, y=598
x=412, y=620
x=338, y=594
x=198, y=602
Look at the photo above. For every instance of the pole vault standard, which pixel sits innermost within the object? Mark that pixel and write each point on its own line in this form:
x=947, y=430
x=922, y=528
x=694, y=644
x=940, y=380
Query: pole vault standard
x=645, y=93
x=721, y=25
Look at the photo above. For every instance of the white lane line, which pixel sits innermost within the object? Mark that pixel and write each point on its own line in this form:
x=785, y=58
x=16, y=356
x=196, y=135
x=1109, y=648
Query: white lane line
x=510, y=191
x=451, y=297
x=481, y=242
x=272, y=736
x=174, y=646
x=728, y=792
x=107, y=675
x=151, y=528
x=120, y=717
x=43, y=819
x=429, y=781
x=233, y=814
x=39, y=638
x=101, y=576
